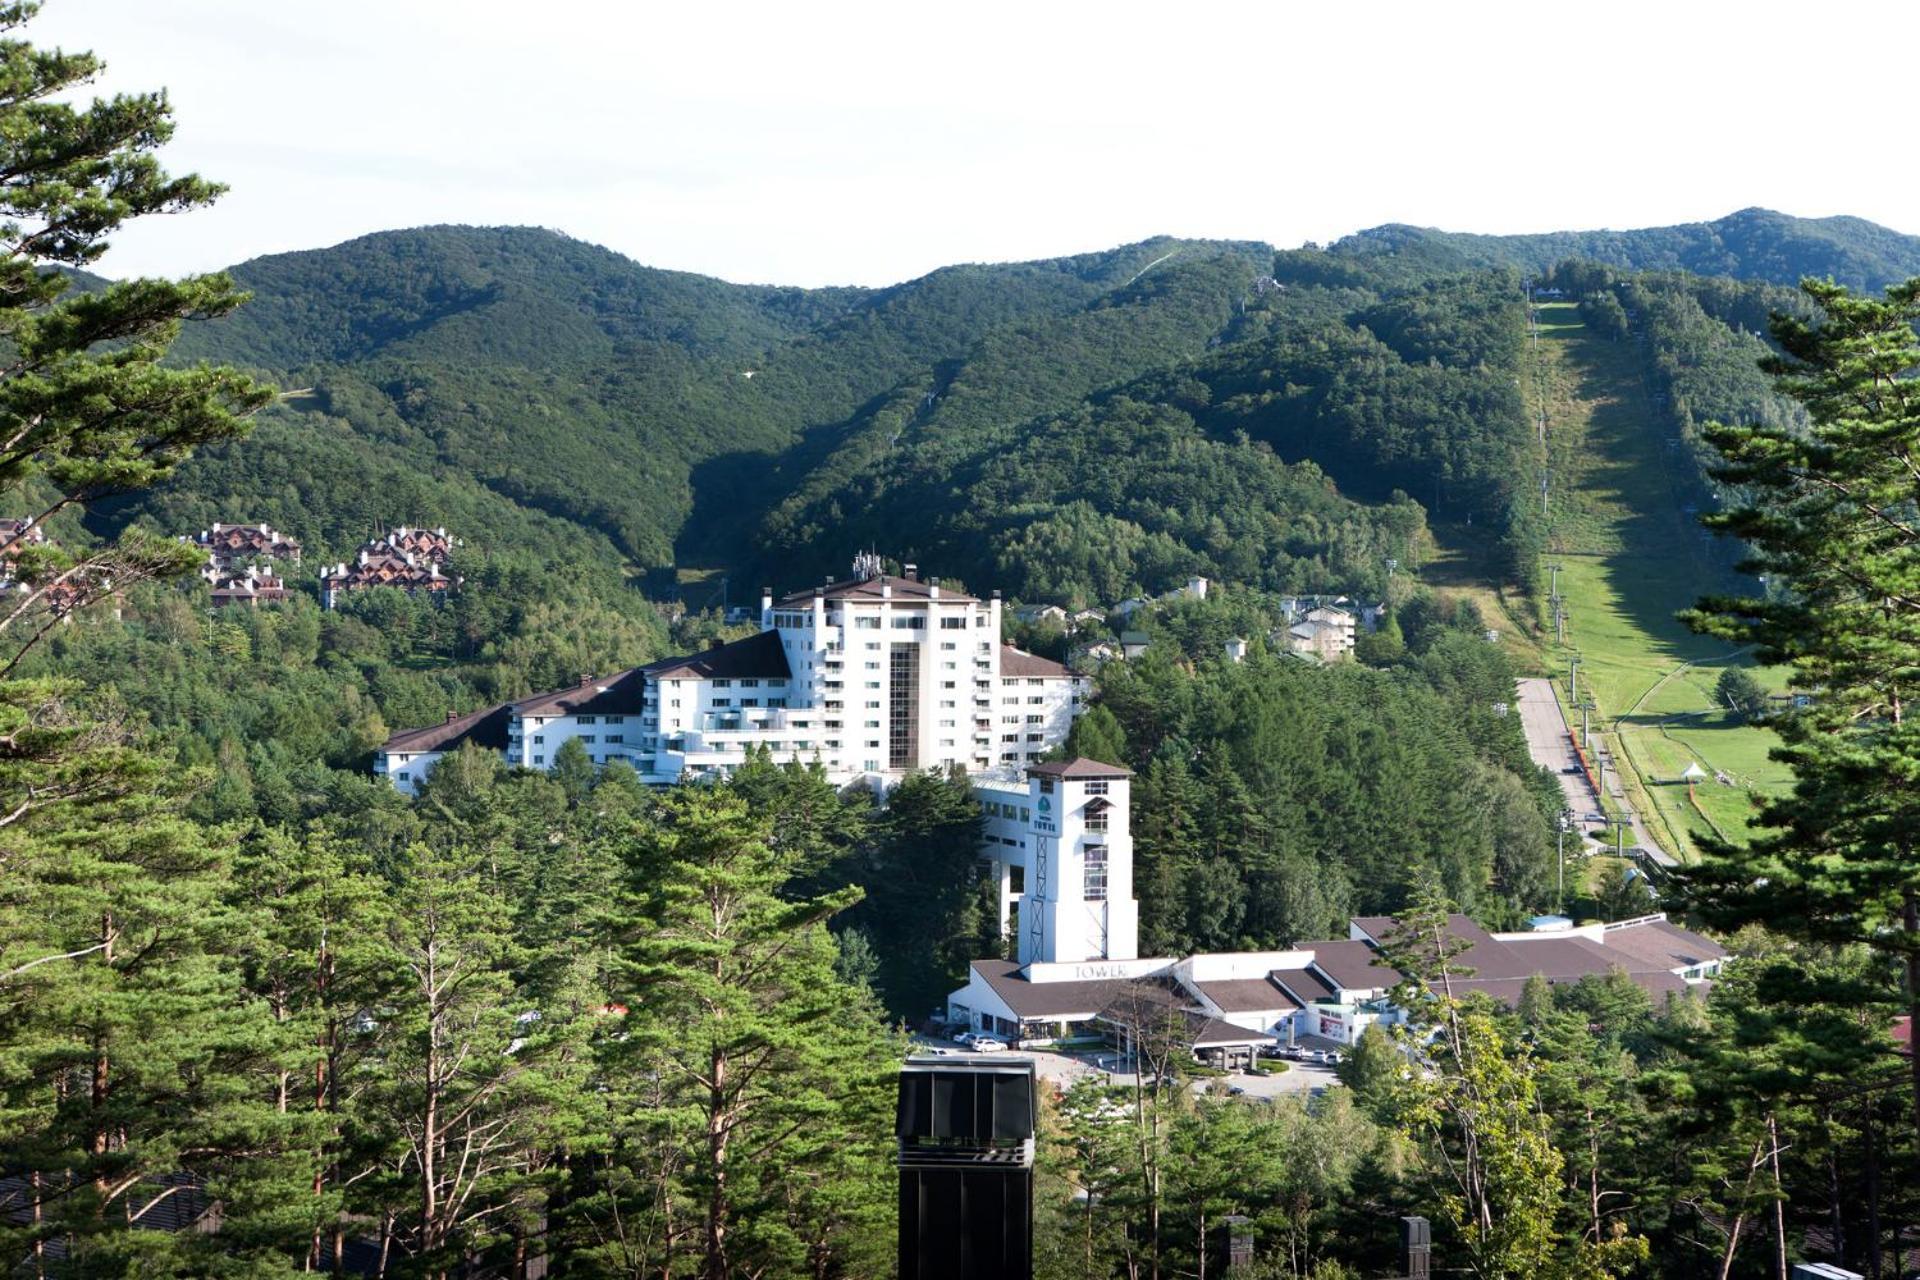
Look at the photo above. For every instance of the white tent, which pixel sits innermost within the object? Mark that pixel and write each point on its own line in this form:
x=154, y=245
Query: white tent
x=1694, y=772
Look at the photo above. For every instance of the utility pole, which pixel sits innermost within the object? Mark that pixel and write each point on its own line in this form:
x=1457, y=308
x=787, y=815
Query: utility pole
x=1573, y=667
x=1560, y=898
x=1544, y=475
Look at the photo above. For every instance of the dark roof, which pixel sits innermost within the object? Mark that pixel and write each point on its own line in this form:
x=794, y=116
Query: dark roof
x=1211, y=1033
x=1046, y=999
x=1352, y=966
x=1018, y=662
x=1079, y=768
x=623, y=693
x=757, y=655
x=1246, y=995
x=486, y=727
x=1663, y=943
x=900, y=590
x=1303, y=984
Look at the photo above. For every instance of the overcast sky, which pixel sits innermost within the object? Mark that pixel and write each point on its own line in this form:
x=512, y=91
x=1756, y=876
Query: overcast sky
x=826, y=142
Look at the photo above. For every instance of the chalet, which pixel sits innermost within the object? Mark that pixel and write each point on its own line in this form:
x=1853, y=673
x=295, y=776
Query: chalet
x=231, y=548
x=253, y=588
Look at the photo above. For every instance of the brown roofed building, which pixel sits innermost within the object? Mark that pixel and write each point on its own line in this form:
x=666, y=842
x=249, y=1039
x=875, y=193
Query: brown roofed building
x=381, y=566
x=232, y=548
x=253, y=588
x=407, y=757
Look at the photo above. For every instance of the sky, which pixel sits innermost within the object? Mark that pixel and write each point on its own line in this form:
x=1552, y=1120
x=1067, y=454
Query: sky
x=855, y=143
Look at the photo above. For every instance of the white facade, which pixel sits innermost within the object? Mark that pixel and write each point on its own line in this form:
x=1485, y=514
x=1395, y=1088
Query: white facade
x=872, y=678
x=1061, y=849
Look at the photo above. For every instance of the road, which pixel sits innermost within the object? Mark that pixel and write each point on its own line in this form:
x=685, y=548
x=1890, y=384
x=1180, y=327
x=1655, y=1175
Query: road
x=1551, y=745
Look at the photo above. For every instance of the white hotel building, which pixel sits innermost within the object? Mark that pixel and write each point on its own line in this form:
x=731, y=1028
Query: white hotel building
x=873, y=677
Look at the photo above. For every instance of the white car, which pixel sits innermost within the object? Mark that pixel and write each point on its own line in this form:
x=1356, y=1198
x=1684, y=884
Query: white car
x=986, y=1044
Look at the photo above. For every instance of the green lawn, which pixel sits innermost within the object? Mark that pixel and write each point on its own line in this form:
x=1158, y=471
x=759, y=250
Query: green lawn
x=1630, y=558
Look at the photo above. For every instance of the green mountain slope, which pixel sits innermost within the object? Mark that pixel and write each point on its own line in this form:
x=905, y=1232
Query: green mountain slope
x=1753, y=244
x=1078, y=427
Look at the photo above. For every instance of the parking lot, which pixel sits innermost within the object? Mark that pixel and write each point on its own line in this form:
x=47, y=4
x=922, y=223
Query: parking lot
x=1064, y=1070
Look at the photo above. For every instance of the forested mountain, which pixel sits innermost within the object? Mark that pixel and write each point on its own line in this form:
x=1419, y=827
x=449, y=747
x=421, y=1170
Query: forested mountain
x=1753, y=244
x=1073, y=429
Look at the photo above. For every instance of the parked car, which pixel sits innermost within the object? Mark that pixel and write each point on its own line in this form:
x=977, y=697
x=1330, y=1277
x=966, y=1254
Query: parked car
x=968, y=1037
x=987, y=1044
x=1572, y=768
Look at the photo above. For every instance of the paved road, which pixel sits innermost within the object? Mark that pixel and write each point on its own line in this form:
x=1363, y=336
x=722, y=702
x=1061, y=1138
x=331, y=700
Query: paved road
x=1551, y=746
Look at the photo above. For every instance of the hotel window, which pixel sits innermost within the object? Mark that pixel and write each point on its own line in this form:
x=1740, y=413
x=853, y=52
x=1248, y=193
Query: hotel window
x=873, y=644
x=1046, y=786
x=872, y=724
x=1096, y=887
x=616, y=719
x=870, y=745
x=749, y=702
x=946, y=684
x=953, y=624
x=723, y=702
x=867, y=624
x=1036, y=719
x=1009, y=737
x=586, y=737
x=946, y=724
x=779, y=702
x=873, y=766
x=539, y=760
x=1037, y=700
x=1016, y=874
x=1035, y=680
x=873, y=706
x=404, y=775
x=949, y=666
x=584, y=719
x=873, y=684
x=1035, y=737
x=674, y=703
x=539, y=737
x=909, y=622
x=776, y=684
x=872, y=666
x=616, y=737
x=946, y=704
x=947, y=644
x=1096, y=788
x=749, y=682
x=723, y=684
x=1096, y=819
x=1009, y=719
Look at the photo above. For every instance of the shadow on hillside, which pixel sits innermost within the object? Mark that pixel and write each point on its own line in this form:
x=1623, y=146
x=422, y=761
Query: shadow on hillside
x=1664, y=560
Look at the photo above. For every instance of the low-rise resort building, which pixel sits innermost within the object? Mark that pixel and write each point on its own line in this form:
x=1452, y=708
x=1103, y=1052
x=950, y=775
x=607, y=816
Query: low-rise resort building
x=880, y=676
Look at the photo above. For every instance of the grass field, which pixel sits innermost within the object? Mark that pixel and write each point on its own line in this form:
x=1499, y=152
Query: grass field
x=1630, y=557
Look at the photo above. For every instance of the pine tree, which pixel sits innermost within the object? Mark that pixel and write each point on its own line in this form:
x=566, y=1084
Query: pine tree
x=758, y=1113
x=87, y=410
x=1827, y=515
